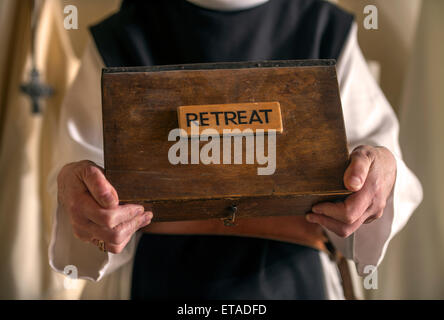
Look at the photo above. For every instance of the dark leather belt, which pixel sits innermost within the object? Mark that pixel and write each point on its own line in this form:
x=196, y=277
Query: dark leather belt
x=293, y=229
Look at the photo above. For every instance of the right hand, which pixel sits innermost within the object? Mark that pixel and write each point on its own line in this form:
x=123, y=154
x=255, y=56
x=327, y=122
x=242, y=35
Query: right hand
x=93, y=206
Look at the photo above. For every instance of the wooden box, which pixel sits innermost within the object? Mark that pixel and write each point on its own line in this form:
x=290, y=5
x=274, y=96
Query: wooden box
x=140, y=108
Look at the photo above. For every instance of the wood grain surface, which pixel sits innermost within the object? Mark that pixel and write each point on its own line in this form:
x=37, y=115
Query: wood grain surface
x=139, y=110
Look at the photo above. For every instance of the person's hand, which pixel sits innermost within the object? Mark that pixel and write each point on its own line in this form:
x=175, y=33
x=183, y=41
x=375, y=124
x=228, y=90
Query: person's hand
x=93, y=207
x=371, y=176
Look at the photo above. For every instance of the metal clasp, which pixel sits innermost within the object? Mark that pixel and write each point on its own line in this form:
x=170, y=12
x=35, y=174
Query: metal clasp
x=229, y=222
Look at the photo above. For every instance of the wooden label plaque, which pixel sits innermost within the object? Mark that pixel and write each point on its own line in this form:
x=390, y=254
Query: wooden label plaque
x=219, y=117
x=197, y=177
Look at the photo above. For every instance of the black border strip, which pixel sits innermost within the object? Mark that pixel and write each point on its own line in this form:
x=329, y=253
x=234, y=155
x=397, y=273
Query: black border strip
x=226, y=65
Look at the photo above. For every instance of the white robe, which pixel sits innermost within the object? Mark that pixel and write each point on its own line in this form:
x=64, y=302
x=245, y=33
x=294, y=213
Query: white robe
x=369, y=119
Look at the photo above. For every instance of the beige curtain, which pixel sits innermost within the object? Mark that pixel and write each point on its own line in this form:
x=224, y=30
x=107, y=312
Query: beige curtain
x=26, y=151
x=409, y=48
x=391, y=44
x=414, y=267
x=26, y=140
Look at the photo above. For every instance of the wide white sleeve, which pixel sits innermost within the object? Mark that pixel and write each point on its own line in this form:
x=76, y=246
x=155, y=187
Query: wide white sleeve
x=80, y=138
x=369, y=119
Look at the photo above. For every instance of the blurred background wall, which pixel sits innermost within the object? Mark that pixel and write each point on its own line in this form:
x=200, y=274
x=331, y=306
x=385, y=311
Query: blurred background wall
x=405, y=52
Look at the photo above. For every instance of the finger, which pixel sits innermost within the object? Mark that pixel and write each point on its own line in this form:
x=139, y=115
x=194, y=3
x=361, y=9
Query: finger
x=99, y=187
x=350, y=210
x=343, y=230
x=81, y=233
x=116, y=248
x=373, y=218
x=85, y=207
x=121, y=232
x=356, y=173
x=110, y=218
x=110, y=247
x=122, y=213
x=375, y=211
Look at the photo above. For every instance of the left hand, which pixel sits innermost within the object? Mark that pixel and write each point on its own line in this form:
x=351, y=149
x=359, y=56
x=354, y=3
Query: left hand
x=371, y=176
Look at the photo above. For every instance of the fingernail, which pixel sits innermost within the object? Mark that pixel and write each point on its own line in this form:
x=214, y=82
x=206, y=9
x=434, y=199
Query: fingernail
x=309, y=218
x=316, y=210
x=140, y=210
x=355, y=182
x=149, y=214
x=147, y=218
x=108, y=199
